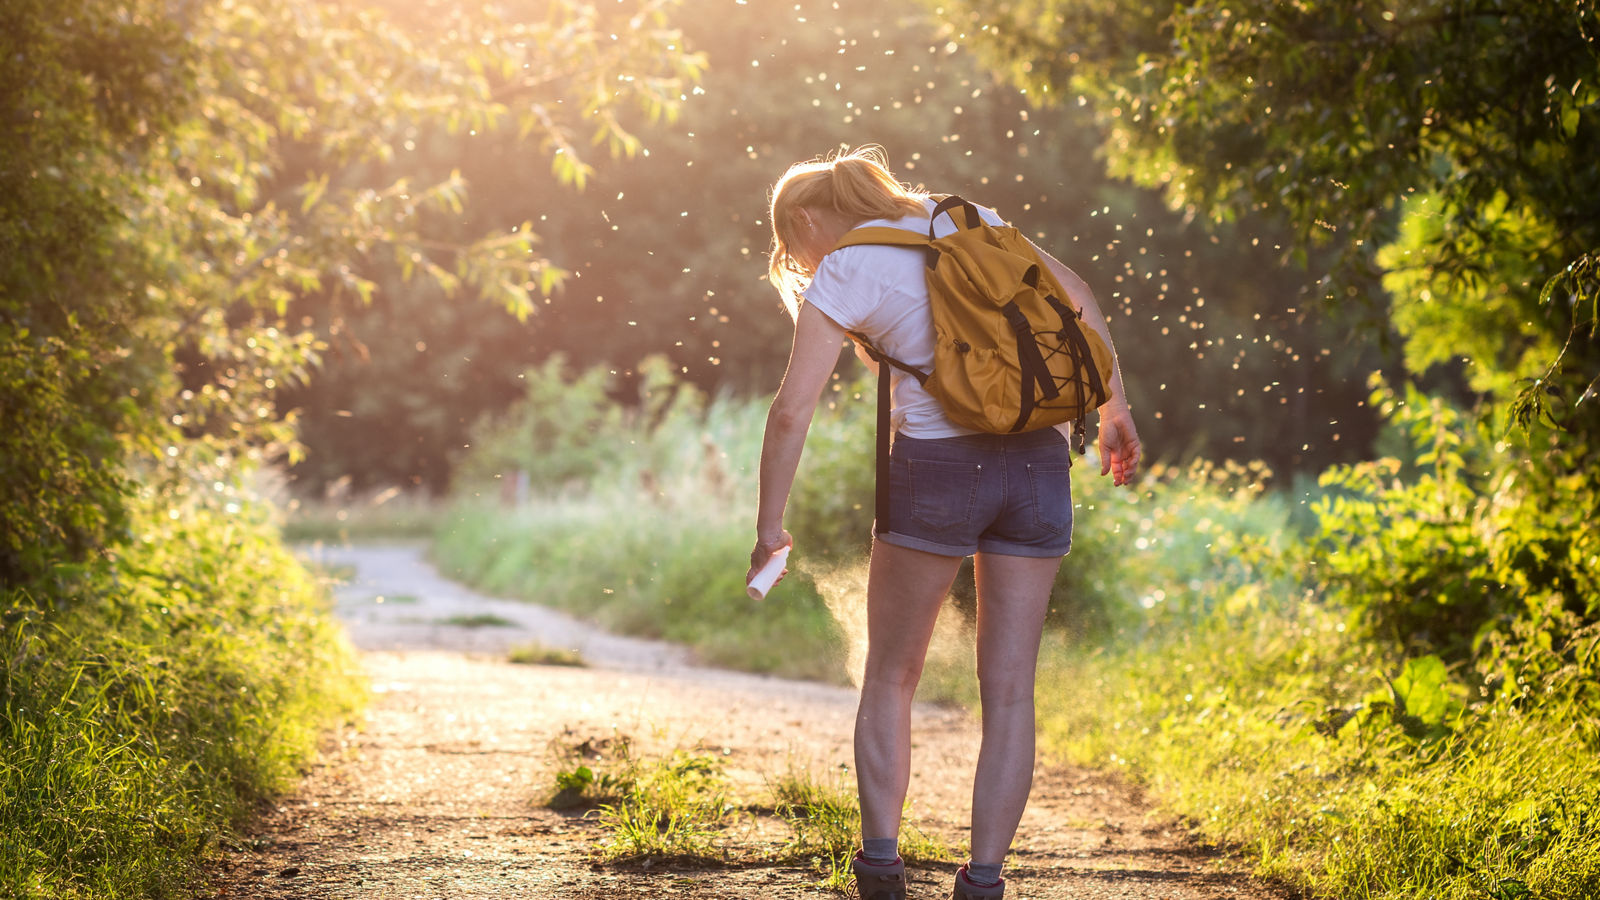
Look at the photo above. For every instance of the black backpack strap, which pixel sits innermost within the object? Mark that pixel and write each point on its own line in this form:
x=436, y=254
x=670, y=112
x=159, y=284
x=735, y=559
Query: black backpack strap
x=949, y=205
x=880, y=510
x=1091, y=390
x=1035, y=373
x=880, y=502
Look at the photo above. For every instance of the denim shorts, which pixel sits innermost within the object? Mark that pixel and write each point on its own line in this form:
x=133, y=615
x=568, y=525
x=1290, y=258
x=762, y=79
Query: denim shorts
x=992, y=493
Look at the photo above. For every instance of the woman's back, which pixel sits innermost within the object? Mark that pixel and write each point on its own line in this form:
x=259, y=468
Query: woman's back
x=881, y=291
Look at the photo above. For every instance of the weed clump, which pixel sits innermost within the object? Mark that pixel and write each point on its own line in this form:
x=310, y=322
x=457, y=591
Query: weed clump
x=536, y=654
x=673, y=807
x=825, y=818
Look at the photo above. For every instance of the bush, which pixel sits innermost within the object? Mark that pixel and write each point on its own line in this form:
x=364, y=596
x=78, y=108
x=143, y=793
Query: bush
x=1458, y=537
x=144, y=715
x=1404, y=708
x=1345, y=768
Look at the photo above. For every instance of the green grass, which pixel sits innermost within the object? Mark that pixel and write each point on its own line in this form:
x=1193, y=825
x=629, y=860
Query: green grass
x=671, y=807
x=825, y=819
x=145, y=715
x=669, y=570
x=1344, y=772
x=536, y=654
x=654, y=541
x=384, y=516
x=681, y=806
x=477, y=620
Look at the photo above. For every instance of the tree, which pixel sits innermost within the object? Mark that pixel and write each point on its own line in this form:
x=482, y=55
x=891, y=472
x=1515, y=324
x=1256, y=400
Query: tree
x=1446, y=146
x=178, y=175
x=667, y=255
x=1473, y=121
x=71, y=370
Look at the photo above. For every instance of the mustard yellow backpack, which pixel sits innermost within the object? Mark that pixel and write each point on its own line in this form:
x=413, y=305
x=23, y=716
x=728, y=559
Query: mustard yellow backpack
x=1011, y=353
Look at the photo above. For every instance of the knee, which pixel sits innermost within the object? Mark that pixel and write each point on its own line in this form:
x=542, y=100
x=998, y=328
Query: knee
x=896, y=675
x=998, y=689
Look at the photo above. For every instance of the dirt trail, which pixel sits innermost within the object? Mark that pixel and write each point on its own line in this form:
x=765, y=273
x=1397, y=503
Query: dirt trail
x=438, y=794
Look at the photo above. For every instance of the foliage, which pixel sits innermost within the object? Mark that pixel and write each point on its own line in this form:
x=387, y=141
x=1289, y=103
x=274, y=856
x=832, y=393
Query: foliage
x=653, y=539
x=1579, y=286
x=1446, y=147
x=564, y=431
x=1433, y=551
x=1406, y=556
x=1345, y=769
x=71, y=372
x=537, y=654
x=174, y=177
x=167, y=201
x=831, y=505
x=169, y=695
x=1328, y=113
x=388, y=515
x=674, y=806
x=665, y=258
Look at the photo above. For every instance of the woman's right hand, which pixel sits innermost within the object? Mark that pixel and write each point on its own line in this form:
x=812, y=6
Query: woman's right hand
x=763, y=551
x=1119, y=444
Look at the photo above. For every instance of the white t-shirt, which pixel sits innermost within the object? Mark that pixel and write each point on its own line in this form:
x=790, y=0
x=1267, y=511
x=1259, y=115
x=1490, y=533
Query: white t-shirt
x=882, y=292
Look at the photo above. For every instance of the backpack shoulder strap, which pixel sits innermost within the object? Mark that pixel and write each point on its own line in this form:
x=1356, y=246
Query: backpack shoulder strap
x=894, y=237
x=882, y=234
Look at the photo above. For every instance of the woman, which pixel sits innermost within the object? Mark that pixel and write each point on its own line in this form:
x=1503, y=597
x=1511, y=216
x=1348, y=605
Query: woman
x=1005, y=499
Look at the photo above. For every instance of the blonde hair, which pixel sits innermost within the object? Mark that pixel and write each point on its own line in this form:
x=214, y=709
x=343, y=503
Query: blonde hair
x=855, y=183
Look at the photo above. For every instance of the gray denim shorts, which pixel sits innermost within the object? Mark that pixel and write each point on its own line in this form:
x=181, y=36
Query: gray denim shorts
x=1009, y=494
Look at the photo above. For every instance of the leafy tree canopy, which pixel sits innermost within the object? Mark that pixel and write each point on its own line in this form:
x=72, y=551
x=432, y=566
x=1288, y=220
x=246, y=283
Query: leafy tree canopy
x=174, y=176
x=1473, y=122
x=1446, y=147
x=666, y=257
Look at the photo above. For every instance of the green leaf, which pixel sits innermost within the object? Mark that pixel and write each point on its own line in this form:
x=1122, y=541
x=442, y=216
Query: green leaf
x=313, y=192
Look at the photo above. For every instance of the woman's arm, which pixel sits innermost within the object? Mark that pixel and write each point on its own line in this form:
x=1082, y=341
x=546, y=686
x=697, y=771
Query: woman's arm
x=1119, y=440
x=816, y=350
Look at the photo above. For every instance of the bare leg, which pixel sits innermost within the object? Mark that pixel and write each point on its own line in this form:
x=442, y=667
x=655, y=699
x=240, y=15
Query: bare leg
x=1013, y=597
x=905, y=589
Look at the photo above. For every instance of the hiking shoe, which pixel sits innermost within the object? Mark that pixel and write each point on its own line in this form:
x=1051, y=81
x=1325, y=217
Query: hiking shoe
x=966, y=890
x=874, y=882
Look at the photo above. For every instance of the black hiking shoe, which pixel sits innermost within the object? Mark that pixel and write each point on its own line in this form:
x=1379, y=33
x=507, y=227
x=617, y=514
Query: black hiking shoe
x=966, y=890
x=878, y=882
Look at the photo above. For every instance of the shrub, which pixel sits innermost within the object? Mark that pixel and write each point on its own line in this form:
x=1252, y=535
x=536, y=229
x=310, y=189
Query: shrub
x=145, y=714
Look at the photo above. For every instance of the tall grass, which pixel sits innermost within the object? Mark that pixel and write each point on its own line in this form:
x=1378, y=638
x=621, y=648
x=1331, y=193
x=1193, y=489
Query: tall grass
x=387, y=515
x=1348, y=772
x=656, y=543
x=144, y=714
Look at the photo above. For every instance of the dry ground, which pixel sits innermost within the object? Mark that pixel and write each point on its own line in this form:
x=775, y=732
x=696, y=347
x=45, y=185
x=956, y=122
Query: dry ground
x=438, y=793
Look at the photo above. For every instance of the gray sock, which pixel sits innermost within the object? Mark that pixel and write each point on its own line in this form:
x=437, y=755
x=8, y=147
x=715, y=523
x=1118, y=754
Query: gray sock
x=984, y=874
x=880, y=851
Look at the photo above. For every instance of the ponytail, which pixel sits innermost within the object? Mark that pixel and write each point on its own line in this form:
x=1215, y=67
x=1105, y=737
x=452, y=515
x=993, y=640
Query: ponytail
x=856, y=184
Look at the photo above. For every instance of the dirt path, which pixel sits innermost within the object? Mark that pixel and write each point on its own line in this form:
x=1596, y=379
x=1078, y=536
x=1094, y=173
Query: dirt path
x=438, y=794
